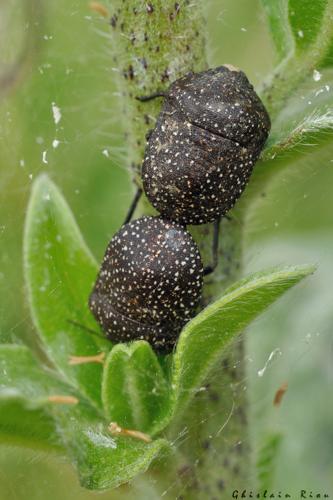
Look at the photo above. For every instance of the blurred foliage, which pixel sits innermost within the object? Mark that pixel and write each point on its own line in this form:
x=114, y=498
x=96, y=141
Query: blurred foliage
x=290, y=223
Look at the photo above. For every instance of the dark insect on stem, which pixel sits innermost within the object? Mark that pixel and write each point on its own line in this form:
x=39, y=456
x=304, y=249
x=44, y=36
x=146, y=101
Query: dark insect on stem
x=149, y=284
x=207, y=138
x=198, y=160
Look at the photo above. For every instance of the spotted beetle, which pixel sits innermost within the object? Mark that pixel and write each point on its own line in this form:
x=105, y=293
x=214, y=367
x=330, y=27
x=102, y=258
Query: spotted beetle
x=207, y=138
x=149, y=284
x=198, y=160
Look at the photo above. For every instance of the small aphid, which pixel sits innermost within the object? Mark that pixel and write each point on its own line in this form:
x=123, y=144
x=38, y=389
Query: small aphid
x=280, y=393
x=149, y=284
x=115, y=429
x=207, y=138
x=63, y=400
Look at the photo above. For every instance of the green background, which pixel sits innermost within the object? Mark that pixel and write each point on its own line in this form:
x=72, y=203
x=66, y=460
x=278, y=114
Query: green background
x=291, y=223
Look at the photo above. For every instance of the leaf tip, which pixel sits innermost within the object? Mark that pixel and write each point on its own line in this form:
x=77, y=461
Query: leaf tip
x=304, y=270
x=41, y=181
x=42, y=191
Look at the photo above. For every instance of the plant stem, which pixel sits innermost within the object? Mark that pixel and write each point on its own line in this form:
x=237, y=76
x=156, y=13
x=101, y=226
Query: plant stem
x=154, y=43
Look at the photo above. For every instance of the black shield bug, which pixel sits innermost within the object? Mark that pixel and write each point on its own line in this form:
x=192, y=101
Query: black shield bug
x=149, y=284
x=206, y=141
x=197, y=163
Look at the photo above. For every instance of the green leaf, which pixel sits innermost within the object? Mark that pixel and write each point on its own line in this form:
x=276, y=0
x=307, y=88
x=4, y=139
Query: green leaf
x=308, y=30
x=25, y=410
x=105, y=462
x=277, y=15
x=22, y=376
x=134, y=390
x=267, y=457
x=204, y=339
x=312, y=27
x=306, y=18
x=102, y=459
x=304, y=121
x=33, y=428
x=302, y=29
x=60, y=272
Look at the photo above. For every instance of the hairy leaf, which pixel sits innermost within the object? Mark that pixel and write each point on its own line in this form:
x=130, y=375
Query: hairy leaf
x=60, y=272
x=305, y=123
x=103, y=460
x=22, y=376
x=306, y=117
x=203, y=339
x=310, y=26
x=302, y=28
x=299, y=93
x=19, y=425
x=106, y=463
x=25, y=407
x=134, y=390
x=277, y=15
x=306, y=18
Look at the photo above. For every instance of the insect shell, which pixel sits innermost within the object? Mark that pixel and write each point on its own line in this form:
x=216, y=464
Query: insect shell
x=206, y=141
x=149, y=283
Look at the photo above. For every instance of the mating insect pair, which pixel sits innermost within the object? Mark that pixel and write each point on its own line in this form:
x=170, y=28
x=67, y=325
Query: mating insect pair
x=198, y=160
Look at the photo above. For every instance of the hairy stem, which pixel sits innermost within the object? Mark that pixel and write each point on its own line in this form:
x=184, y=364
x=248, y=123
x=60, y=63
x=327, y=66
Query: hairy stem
x=154, y=43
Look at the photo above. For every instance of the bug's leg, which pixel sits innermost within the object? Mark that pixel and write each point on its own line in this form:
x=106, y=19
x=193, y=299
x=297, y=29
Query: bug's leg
x=150, y=97
x=148, y=134
x=215, y=249
x=133, y=205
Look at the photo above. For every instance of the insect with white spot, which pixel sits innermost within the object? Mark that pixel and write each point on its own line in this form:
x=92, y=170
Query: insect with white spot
x=149, y=284
x=198, y=160
x=207, y=138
